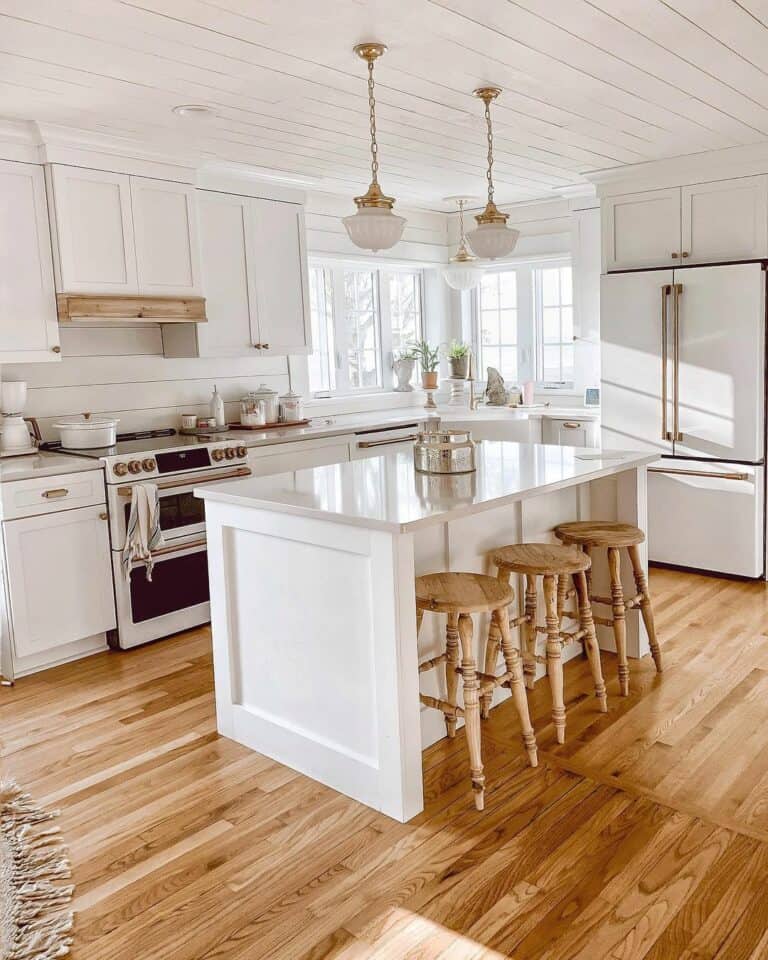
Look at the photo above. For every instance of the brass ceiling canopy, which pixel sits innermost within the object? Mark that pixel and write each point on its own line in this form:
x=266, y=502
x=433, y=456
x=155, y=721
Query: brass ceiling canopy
x=373, y=197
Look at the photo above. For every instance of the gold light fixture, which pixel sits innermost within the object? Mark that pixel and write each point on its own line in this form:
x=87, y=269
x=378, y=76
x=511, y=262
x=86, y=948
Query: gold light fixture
x=463, y=271
x=374, y=226
x=492, y=237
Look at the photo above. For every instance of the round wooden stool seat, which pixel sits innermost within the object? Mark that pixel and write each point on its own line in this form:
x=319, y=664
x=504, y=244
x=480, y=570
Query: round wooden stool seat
x=599, y=533
x=541, y=559
x=461, y=593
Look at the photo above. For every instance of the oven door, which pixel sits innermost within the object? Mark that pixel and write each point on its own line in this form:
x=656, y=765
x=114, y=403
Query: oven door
x=182, y=515
x=176, y=597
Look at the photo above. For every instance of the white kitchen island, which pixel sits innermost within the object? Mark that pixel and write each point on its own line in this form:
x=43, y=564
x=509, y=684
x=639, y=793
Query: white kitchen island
x=313, y=608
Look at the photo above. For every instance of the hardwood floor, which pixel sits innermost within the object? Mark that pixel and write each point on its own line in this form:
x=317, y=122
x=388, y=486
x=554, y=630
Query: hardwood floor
x=644, y=836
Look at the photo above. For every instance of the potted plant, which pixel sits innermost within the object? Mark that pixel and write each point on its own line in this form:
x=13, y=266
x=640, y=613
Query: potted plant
x=458, y=357
x=429, y=357
x=403, y=363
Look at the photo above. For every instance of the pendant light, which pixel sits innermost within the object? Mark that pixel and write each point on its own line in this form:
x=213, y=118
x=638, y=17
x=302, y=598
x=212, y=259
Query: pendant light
x=374, y=226
x=464, y=270
x=491, y=238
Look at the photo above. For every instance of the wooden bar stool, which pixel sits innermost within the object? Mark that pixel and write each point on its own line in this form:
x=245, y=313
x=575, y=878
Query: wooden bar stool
x=459, y=595
x=615, y=536
x=555, y=564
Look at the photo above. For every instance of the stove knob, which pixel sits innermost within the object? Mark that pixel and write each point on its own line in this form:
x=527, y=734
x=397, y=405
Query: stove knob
x=148, y=464
x=230, y=453
x=120, y=469
x=218, y=454
x=134, y=466
x=242, y=451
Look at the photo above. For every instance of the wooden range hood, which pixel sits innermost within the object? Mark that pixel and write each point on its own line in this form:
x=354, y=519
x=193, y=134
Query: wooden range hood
x=106, y=308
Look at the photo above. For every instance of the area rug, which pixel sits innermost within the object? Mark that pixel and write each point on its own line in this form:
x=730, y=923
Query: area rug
x=35, y=922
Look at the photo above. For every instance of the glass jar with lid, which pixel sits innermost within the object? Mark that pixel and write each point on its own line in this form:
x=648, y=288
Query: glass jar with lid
x=271, y=406
x=290, y=407
x=252, y=411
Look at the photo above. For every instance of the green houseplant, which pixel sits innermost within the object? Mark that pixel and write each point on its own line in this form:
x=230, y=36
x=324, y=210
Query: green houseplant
x=429, y=357
x=458, y=357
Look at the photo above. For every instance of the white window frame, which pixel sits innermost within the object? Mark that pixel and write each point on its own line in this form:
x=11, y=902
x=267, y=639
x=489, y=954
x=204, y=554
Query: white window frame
x=529, y=318
x=539, y=324
x=382, y=310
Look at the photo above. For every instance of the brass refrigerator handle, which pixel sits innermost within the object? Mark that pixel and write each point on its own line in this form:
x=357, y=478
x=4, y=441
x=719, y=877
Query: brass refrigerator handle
x=679, y=471
x=678, y=291
x=665, y=291
x=193, y=481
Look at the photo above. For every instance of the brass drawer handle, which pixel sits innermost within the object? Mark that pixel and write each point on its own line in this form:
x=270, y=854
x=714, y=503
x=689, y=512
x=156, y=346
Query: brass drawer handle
x=55, y=494
x=265, y=346
x=676, y=471
x=675, y=256
x=103, y=516
x=570, y=425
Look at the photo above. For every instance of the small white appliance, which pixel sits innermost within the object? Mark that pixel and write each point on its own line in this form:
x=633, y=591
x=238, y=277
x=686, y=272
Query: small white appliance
x=15, y=439
x=683, y=374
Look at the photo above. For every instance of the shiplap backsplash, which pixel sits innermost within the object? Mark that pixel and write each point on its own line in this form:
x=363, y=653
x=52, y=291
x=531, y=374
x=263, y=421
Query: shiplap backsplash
x=120, y=371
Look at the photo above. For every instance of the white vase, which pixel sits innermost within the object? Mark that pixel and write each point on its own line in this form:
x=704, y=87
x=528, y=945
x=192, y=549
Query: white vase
x=403, y=371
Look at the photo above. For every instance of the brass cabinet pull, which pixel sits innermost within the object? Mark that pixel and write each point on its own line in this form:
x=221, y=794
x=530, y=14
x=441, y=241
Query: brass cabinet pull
x=265, y=346
x=56, y=349
x=257, y=346
x=55, y=494
x=675, y=255
x=685, y=254
x=678, y=292
x=103, y=515
x=570, y=425
x=679, y=471
x=665, y=291
x=365, y=444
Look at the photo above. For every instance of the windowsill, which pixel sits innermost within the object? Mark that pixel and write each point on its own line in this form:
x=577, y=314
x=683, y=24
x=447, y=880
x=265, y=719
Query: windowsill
x=363, y=402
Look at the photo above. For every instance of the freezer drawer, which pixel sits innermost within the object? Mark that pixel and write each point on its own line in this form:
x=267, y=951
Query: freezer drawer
x=706, y=515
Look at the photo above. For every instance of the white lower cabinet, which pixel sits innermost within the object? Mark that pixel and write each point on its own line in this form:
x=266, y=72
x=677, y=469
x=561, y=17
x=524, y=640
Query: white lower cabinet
x=286, y=457
x=58, y=584
x=570, y=432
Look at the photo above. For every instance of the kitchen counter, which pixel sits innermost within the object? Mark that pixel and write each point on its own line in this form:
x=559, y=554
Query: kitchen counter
x=313, y=607
x=43, y=464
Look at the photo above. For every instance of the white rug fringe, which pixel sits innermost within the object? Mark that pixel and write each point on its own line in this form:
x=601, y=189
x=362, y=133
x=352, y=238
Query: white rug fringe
x=34, y=921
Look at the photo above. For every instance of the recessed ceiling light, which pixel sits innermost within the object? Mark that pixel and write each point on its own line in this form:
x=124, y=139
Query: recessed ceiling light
x=192, y=110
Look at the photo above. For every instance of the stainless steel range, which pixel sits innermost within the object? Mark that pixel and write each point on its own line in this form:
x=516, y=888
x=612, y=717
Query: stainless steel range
x=177, y=596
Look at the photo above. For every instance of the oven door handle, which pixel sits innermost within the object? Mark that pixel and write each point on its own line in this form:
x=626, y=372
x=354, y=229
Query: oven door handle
x=178, y=548
x=193, y=481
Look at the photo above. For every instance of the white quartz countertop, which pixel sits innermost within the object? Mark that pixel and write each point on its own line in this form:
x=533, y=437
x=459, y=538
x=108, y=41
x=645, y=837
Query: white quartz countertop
x=340, y=424
x=43, y=464
x=387, y=493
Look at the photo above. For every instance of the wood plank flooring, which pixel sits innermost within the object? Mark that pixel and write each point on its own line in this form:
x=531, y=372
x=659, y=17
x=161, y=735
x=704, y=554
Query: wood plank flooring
x=644, y=836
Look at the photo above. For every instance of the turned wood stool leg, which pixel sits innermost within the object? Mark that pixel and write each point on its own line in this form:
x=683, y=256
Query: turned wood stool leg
x=472, y=708
x=646, y=608
x=554, y=657
x=419, y=618
x=528, y=634
x=451, y=666
x=590, y=638
x=619, y=618
x=562, y=594
x=512, y=662
x=491, y=659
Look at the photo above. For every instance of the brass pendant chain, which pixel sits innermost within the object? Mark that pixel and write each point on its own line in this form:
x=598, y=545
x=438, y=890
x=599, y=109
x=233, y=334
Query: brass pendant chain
x=489, y=174
x=462, y=238
x=374, y=145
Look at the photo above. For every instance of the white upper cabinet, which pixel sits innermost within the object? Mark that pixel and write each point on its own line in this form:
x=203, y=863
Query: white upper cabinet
x=641, y=229
x=725, y=220
x=716, y=222
x=124, y=235
x=281, y=278
x=93, y=231
x=165, y=232
x=226, y=243
x=28, y=326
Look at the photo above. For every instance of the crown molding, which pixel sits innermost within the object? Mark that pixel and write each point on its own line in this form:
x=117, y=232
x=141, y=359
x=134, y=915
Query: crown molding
x=725, y=164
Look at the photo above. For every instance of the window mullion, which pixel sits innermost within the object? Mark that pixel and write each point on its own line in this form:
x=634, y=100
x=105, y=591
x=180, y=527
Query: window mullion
x=385, y=328
x=340, y=330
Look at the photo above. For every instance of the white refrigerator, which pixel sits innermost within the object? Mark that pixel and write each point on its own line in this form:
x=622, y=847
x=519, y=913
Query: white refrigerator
x=683, y=373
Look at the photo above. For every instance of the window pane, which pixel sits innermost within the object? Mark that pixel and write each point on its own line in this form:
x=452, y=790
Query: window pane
x=508, y=331
x=489, y=291
x=567, y=315
x=508, y=364
x=566, y=285
x=322, y=370
x=550, y=286
x=404, y=292
x=568, y=370
x=551, y=325
x=552, y=363
x=489, y=329
x=508, y=289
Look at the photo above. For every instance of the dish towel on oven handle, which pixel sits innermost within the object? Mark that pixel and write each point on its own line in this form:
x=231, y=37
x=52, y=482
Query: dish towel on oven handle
x=143, y=533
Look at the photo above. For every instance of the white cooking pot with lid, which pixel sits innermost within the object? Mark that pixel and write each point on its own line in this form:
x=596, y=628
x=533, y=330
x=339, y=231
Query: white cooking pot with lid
x=86, y=432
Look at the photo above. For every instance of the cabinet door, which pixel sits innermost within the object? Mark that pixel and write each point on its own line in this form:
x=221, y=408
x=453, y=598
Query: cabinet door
x=641, y=229
x=570, y=433
x=94, y=231
x=284, y=458
x=227, y=248
x=59, y=579
x=281, y=278
x=29, y=330
x=725, y=220
x=165, y=226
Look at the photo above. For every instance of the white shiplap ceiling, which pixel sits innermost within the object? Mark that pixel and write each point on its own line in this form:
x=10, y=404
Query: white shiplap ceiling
x=588, y=84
